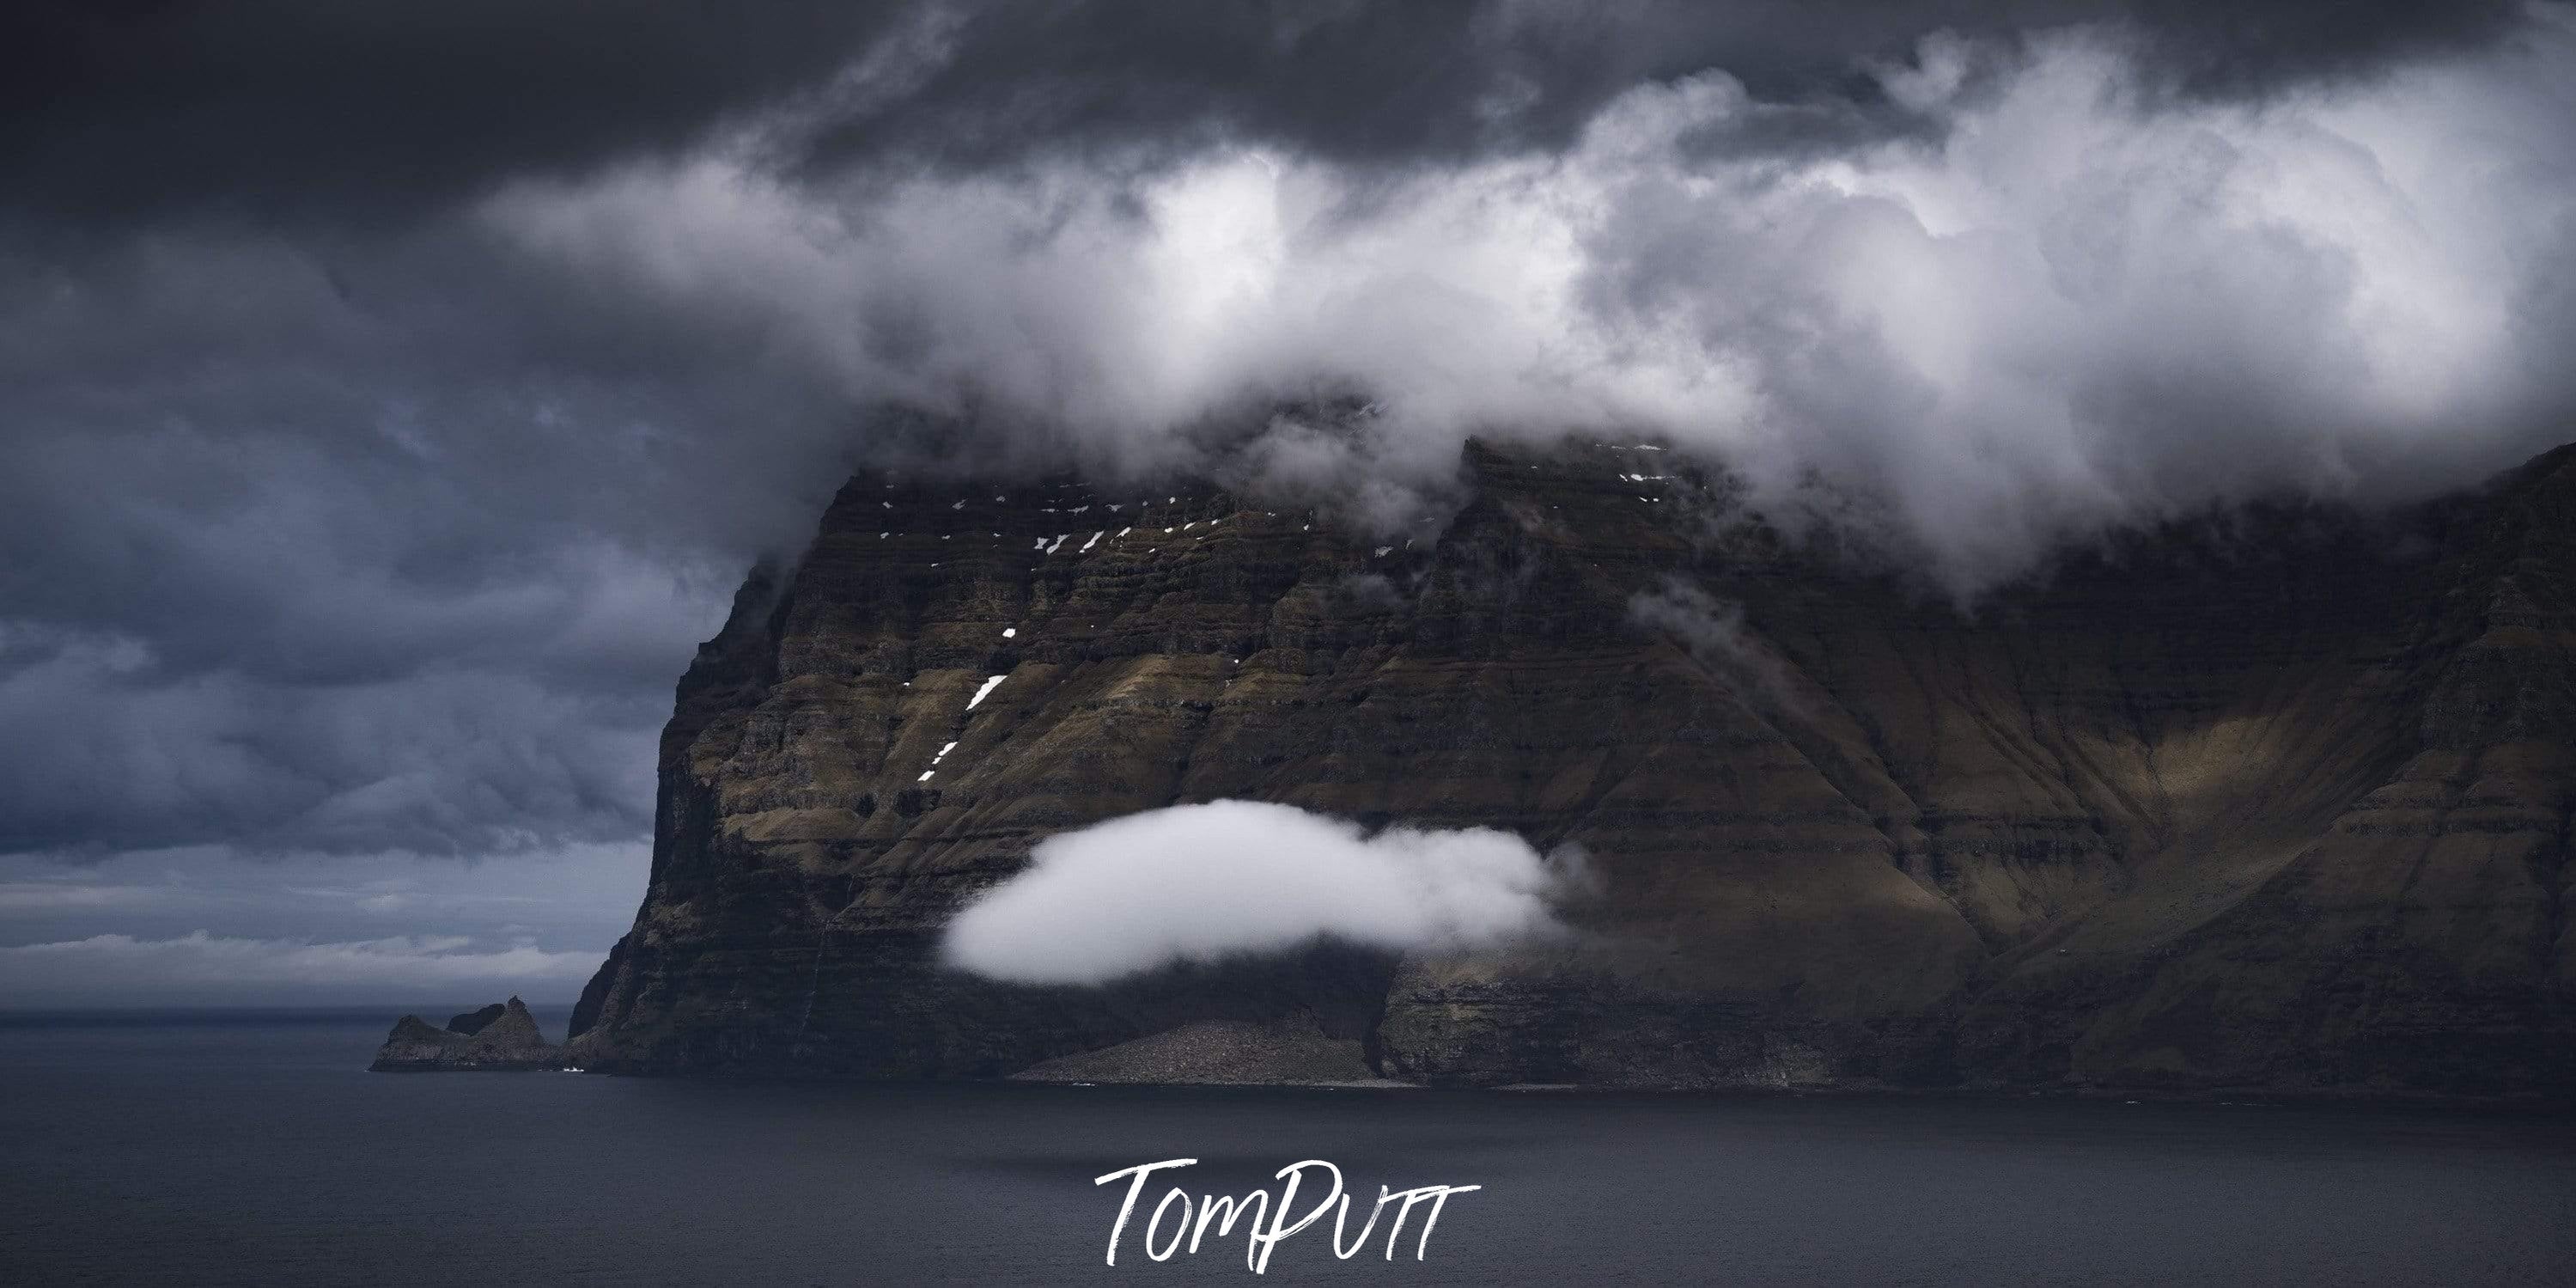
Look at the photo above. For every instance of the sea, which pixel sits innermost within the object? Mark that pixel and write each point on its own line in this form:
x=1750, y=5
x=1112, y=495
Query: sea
x=255, y=1148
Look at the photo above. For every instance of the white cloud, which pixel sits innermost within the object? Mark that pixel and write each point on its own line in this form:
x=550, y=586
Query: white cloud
x=209, y=925
x=2069, y=303
x=1203, y=882
x=56, y=896
x=196, y=966
x=1713, y=631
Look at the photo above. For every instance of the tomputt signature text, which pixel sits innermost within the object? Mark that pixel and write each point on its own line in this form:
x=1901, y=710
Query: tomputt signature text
x=1267, y=1227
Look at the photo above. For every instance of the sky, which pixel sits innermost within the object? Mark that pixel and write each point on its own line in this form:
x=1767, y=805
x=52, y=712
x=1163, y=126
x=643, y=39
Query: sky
x=391, y=395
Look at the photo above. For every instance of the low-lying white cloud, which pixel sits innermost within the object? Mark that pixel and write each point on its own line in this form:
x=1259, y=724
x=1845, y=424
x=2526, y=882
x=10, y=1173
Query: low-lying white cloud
x=1198, y=883
x=1713, y=630
x=197, y=966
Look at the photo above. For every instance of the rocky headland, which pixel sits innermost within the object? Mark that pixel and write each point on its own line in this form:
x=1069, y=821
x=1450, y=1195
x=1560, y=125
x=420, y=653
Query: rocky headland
x=2279, y=801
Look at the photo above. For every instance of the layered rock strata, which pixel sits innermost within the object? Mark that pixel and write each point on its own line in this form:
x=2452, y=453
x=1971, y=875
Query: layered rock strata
x=2280, y=801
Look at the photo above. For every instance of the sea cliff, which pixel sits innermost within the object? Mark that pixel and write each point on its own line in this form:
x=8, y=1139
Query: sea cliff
x=2278, y=800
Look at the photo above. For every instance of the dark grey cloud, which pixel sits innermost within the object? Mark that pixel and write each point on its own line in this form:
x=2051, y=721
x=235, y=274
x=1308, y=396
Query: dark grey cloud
x=293, y=108
x=1454, y=80
x=124, y=108
x=361, y=543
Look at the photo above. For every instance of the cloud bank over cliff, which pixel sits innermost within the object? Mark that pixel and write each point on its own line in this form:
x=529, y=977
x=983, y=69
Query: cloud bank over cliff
x=1201, y=883
x=2051, y=301
x=390, y=396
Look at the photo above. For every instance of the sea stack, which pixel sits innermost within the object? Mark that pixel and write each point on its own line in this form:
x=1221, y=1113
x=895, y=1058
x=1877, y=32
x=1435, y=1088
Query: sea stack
x=500, y=1037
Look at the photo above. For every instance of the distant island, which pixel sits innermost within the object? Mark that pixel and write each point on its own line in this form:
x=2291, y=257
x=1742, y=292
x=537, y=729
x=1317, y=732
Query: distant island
x=501, y=1037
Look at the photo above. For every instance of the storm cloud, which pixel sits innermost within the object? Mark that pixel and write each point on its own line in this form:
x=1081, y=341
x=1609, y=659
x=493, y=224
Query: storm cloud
x=291, y=108
x=2075, y=304
x=391, y=395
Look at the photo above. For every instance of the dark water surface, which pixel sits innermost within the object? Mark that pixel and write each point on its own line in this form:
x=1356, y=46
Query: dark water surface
x=256, y=1150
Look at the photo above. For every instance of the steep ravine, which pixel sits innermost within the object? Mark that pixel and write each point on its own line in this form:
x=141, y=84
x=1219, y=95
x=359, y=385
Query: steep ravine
x=2279, y=802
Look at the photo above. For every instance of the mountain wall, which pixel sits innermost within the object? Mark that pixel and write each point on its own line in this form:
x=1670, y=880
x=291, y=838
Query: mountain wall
x=2278, y=802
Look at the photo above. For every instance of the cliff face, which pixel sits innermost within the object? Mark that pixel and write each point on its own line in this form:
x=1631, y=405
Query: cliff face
x=2280, y=804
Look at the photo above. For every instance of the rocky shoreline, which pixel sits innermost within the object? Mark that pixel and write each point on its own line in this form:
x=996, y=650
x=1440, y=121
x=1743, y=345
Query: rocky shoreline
x=1293, y=1051
x=1299, y=1051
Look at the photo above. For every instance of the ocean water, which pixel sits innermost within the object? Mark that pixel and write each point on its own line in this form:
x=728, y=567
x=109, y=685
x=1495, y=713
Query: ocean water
x=255, y=1149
